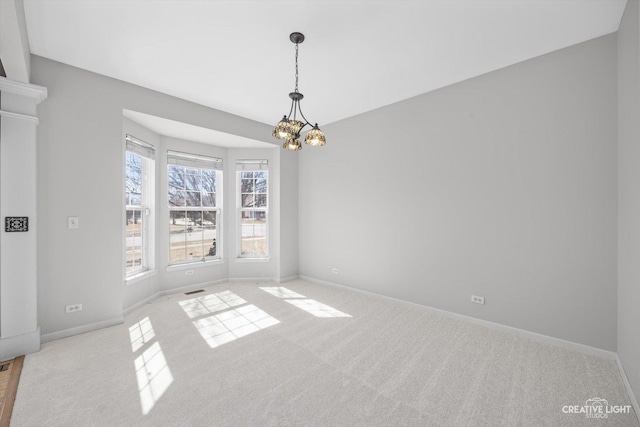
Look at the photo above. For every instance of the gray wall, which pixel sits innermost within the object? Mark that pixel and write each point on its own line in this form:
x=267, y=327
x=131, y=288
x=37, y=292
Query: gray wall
x=502, y=186
x=289, y=214
x=629, y=194
x=80, y=173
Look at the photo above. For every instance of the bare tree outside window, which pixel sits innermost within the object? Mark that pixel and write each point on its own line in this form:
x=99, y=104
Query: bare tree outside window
x=134, y=214
x=194, y=213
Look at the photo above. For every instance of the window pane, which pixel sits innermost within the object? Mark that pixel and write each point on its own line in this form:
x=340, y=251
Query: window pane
x=192, y=182
x=134, y=169
x=261, y=185
x=177, y=197
x=260, y=174
x=137, y=258
x=133, y=181
x=134, y=160
x=134, y=261
x=177, y=236
x=209, y=233
x=175, y=177
x=133, y=223
x=133, y=177
x=129, y=263
x=261, y=200
x=194, y=235
x=133, y=241
x=254, y=234
x=209, y=199
x=246, y=175
x=193, y=198
x=135, y=199
x=247, y=201
x=208, y=181
x=247, y=185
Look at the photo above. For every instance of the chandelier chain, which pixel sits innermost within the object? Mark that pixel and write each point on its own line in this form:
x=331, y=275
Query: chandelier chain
x=296, y=67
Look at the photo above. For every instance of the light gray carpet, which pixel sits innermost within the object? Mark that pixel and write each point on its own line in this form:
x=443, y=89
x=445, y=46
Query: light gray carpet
x=249, y=357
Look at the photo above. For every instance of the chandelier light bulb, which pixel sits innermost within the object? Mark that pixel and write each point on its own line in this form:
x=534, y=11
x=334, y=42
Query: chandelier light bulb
x=292, y=144
x=315, y=137
x=281, y=131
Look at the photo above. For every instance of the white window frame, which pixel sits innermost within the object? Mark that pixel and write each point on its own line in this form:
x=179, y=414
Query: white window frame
x=146, y=153
x=196, y=161
x=254, y=165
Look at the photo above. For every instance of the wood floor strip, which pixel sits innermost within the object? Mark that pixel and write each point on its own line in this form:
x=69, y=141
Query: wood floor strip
x=5, y=373
x=10, y=392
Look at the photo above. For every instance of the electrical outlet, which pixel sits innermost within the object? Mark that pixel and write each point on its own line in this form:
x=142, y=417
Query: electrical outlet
x=477, y=299
x=334, y=270
x=73, y=308
x=189, y=272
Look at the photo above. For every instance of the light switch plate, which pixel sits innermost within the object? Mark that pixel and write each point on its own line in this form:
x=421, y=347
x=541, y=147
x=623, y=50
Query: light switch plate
x=72, y=222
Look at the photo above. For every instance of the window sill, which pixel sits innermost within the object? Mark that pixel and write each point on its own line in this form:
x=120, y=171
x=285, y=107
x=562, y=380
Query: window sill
x=196, y=264
x=264, y=259
x=140, y=276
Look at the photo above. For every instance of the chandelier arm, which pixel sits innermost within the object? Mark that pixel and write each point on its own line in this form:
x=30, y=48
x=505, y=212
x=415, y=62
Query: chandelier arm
x=305, y=119
x=291, y=109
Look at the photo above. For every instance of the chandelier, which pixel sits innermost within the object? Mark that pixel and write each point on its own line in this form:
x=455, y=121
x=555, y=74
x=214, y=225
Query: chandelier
x=290, y=126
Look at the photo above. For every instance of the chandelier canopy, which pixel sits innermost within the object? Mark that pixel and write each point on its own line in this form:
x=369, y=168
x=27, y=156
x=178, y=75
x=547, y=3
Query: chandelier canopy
x=290, y=126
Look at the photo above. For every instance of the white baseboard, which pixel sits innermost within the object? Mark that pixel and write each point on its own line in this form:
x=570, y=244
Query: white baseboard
x=18, y=345
x=252, y=279
x=582, y=348
x=627, y=385
x=286, y=279
x=82, y=329
x=139, y=304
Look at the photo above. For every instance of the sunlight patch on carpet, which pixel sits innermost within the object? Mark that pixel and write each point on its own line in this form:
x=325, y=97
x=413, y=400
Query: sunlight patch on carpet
x=154, y=376
x=211, y=303
x=225, y=327
x=141, y=333
x=316, y=308
x=282, y=292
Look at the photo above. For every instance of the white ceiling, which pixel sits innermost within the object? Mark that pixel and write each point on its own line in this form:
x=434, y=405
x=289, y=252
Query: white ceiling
x=358, y=55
